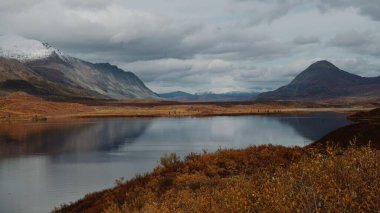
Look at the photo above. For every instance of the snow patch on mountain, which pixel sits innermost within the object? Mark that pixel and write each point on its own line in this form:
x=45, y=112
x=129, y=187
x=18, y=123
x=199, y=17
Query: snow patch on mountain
x=23, y=49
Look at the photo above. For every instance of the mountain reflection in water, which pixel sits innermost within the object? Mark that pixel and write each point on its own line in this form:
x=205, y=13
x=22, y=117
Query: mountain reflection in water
x=107, y=134
x=69, y=136
x=62, y=161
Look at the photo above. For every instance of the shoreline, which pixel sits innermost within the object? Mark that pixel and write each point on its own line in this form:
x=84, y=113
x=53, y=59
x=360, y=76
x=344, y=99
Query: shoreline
x=279, y=112
x=256, y=177
x=169, y=113
x=273, y=167
x=23, y=107
x=157, y=114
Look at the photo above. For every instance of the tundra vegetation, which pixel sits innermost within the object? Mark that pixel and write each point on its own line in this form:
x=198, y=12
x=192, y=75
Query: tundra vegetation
x=19, y=106
x=262, y=178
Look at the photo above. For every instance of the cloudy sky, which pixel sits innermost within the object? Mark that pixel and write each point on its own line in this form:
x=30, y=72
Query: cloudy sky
x=213, y=45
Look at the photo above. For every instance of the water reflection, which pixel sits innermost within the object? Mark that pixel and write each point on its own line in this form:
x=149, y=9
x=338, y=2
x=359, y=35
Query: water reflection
x=62, y=161
x=181, y=135
x=314, y=126
x=69, y=136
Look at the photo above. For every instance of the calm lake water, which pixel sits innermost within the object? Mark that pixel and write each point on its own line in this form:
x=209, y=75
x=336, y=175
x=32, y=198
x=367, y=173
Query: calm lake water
x=45, y=164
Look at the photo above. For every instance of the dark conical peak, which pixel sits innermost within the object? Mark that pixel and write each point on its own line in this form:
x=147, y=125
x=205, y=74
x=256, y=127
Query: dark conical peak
x=323, y=65
x=323, y=71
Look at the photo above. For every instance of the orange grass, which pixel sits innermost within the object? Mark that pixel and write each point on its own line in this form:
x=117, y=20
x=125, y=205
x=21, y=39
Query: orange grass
x=257, y=179
x=21, y=106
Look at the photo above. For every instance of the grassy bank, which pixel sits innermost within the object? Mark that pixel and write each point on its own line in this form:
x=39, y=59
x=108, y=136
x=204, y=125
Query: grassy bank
x=256, y=179
x=21, y=106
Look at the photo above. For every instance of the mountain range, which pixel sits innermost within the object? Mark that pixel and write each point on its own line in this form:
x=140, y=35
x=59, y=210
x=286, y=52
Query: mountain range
x=39, y=69
x=208, y=97
x=324, y=81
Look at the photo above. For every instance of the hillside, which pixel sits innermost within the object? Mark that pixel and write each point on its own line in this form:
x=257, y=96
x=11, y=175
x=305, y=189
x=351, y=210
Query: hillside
x=257, y=179
x=324, y=81
x=39, y=69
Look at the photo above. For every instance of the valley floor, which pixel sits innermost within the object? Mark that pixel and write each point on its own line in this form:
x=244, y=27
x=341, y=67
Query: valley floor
x=21, y=106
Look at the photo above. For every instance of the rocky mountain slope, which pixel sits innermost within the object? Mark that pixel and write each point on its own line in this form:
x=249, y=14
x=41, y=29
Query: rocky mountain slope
x=324, y=81
x=39, y=69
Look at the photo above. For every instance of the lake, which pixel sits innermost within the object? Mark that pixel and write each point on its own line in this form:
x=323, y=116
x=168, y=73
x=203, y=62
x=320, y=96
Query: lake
x=45, y=164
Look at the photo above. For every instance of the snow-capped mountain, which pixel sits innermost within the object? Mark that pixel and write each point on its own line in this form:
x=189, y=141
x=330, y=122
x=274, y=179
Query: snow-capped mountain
x=41, y=69
x=23, y=49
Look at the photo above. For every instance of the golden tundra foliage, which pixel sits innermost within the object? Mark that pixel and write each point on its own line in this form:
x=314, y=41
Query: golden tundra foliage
x=256, y=179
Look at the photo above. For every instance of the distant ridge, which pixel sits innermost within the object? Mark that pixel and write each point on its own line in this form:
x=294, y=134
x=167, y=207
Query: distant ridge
x=208, y=97
x=324, y=81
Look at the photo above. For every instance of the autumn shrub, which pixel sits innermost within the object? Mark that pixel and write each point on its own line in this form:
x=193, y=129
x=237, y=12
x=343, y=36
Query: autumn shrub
x=339, y=181
x=257, y=179
x=169, y=160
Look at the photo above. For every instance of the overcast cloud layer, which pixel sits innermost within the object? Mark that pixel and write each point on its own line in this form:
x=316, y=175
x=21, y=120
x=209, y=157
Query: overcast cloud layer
x=214, y=45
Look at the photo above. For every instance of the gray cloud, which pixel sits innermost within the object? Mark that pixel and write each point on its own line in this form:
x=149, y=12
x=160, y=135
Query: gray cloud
x=369, y=8
x=360, y=66
x=270, y=10
x=365, y=43
x=350, y=39
x=232, y=45
x=17, y=5
x=302, y=40
x=87, y=4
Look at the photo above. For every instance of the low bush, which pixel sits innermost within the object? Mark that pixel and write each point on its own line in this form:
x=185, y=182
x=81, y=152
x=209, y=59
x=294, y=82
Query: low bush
x=257, y=179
